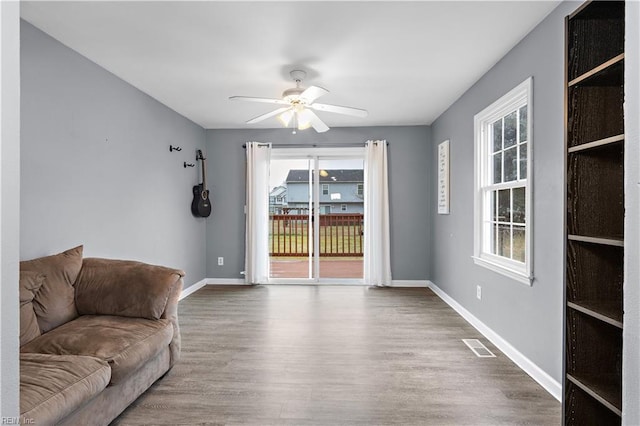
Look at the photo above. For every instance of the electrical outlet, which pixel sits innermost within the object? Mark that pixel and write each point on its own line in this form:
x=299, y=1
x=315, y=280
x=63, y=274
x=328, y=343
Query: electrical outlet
x=220, y=261
x=479, y=292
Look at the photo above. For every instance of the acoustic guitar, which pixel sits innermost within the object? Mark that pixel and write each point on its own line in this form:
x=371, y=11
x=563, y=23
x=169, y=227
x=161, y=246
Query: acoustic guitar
x=201, y=206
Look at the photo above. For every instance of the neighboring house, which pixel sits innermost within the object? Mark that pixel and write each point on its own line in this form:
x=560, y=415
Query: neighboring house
x=278, y=199
x=341, y=191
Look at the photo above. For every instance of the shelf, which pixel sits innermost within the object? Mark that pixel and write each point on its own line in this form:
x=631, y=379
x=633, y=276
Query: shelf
x=582, y=409
x=594, y=355
x=594, y=279
x=595, y=112
x=602, y=312
x=595, y=35
x=603, y=394
x=595, y=240
x=597, y=144
x=595, y=195
x=609, y=73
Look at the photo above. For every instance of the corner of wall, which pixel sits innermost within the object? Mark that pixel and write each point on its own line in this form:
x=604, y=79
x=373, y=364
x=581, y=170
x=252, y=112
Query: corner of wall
x=9, y=208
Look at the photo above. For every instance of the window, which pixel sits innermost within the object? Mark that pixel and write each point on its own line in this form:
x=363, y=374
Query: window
x=343, y=207
x=325, y=189
x=502, y=226
x=360, y=190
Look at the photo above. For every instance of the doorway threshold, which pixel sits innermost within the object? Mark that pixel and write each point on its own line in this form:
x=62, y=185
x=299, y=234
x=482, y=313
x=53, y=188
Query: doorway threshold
x=323, y=281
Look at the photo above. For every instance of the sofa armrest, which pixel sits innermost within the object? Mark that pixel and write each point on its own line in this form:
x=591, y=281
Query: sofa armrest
x=171, y=313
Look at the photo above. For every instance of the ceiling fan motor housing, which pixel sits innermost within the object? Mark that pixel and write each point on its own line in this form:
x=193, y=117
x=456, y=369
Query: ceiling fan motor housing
x=292, y=95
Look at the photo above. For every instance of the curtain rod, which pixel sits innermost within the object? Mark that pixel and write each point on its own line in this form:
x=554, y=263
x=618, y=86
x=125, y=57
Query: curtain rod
x=317, y=145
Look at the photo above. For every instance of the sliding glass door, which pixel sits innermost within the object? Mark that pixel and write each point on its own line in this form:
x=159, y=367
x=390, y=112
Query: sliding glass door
x=291, y=241
x=316, y=215
x=341, y=218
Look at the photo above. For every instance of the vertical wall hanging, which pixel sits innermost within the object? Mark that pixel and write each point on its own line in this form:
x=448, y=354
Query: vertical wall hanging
x=443, y=178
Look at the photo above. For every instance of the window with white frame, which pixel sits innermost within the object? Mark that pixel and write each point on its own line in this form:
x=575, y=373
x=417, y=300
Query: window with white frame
x=360, y=189
x=325, y=189
x=503, y=225
x=343, y=207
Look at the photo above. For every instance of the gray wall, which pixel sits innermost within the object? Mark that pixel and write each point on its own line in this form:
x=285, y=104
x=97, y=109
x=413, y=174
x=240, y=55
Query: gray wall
x=529, y=318
x=631, y=347
x=96, y=166
x=9, y=208
x=410, y=158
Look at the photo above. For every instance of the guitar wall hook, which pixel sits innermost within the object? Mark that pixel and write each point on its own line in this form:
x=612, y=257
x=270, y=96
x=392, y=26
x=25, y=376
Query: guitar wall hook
x=174, y=148
x=188, y=165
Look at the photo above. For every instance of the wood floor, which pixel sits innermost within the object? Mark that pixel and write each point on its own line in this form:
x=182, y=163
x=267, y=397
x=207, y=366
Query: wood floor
x=333, y=355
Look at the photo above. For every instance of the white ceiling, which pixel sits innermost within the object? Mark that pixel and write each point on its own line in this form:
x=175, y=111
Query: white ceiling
x=405, y=62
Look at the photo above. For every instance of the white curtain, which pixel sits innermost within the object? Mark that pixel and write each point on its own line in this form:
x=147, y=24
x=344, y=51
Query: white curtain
x=257, y=213
x=377, y=257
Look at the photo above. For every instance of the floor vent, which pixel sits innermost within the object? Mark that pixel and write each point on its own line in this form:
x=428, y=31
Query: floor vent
x=478, y=348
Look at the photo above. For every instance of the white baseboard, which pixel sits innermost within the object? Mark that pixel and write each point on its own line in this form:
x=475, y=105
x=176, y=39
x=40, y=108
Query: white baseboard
x=192, y=288
x=409, y=283
x=240, y=281
x=225, y=281
x=545, y=380
x=210, y=281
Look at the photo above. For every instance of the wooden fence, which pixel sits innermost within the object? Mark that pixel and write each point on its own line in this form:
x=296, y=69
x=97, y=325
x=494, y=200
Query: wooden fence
x=340, y=234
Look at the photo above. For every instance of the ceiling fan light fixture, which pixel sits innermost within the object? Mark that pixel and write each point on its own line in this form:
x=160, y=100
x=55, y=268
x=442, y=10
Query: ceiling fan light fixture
x=285, y=117
x=304, y=119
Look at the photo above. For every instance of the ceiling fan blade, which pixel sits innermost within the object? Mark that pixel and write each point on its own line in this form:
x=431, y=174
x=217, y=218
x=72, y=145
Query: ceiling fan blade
x=315, y=121
x=263, y=100
x=267, y=115
x=356, y=112
x=312, y=93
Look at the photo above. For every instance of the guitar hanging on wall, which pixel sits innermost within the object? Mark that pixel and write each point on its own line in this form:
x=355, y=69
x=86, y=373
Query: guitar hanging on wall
x=201, y=206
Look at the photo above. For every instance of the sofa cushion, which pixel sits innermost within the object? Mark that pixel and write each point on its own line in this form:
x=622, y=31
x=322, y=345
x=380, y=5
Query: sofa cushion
x=124, y=288
x=30, y=282
x=125, y=343
x=54, y=304
x=53, y=386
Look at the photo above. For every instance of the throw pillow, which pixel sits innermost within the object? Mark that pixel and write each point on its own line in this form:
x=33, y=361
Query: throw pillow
x=30, y=282
x=54, y=304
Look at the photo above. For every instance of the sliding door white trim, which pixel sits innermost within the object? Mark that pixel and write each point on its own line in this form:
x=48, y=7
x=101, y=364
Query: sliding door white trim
x=315, y=155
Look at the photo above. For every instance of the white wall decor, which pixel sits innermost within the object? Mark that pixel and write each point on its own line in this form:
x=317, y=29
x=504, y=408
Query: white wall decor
x=443, y=178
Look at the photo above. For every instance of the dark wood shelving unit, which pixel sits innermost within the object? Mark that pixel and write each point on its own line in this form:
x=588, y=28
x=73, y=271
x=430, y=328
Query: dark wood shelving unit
x=594, y=139
x=580, y=410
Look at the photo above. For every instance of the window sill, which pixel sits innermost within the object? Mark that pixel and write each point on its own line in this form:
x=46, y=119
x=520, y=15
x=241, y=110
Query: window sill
x=500, y=269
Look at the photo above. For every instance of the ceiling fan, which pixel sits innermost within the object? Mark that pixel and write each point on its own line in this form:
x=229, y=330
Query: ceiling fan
x=298, y=104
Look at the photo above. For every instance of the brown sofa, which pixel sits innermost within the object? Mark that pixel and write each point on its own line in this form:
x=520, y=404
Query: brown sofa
x=94, y=335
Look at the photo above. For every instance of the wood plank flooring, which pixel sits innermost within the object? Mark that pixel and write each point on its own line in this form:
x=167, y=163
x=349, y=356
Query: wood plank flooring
x=335, y=355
